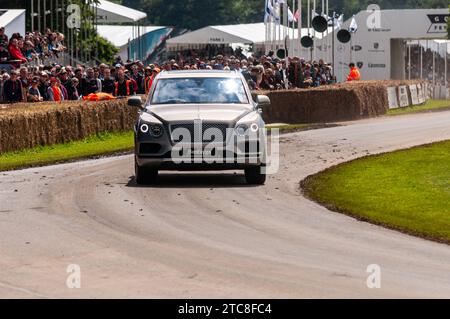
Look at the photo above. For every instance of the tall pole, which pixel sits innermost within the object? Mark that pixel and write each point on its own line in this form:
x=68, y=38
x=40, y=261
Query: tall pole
x=45, y=15
x=285, y=24
x=434, y=66
x=327, y=12
x=299, y=26
x=309, y=22
x=51, y=15
x=409, y=60
x=32, y=15
x=292, y=41
x=63, y=16
x=333, y=66
x=57, y=16
x=421, y=60
x=445, y=67
x=39, y=15
x=313, y=52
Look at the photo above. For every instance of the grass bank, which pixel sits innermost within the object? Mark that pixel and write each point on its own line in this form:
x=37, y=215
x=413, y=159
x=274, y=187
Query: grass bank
x=93, y=146
x=407, y=190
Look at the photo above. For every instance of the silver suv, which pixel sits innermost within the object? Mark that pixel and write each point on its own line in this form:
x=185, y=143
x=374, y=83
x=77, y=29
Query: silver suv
x=200, y=120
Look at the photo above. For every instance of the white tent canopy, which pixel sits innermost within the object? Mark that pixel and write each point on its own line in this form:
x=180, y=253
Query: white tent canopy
x=13, y=21
x=109, y=12
x=252, y=33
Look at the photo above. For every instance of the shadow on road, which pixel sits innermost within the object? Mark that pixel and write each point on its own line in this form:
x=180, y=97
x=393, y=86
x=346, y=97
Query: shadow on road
x=194, y=180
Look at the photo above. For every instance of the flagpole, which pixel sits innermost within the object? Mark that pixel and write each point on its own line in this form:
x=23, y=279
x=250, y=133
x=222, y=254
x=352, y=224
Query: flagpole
x=285, y=24
x=313, y=57
x=299, y=27
x=328, y=39
x=293, y=29
x=333, y=66
x=309, y=22
x=266, y=36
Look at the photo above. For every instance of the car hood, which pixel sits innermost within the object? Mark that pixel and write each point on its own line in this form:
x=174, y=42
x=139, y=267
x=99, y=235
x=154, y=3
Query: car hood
x=204, y=112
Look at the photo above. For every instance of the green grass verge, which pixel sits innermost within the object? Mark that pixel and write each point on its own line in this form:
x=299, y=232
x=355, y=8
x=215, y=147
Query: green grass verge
x=97, y=145
x=407, y=190
x=429, y=106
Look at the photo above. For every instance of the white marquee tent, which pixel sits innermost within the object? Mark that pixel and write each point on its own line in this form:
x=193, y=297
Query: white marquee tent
x=13, y=21
x=110, y=12
x=252, y=33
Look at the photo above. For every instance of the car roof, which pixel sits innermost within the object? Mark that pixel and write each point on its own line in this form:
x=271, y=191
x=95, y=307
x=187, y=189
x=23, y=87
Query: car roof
x=199, y=74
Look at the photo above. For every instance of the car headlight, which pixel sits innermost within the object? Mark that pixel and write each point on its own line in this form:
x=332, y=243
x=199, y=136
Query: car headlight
x=144, y=128
x=155, y=130
x=243, y=129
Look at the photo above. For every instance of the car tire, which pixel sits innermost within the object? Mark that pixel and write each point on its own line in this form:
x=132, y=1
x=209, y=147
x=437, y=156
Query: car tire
x=145, y=175
x=255, y=176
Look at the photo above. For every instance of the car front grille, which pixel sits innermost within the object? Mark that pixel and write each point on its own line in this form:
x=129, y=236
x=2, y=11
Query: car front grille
x=199, y=131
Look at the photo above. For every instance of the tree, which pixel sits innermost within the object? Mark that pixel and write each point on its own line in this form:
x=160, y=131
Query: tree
x=448, y=25
x=194, y=14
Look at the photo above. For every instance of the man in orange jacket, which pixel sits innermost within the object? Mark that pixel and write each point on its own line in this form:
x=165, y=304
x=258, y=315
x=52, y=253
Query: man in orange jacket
x=354, y=73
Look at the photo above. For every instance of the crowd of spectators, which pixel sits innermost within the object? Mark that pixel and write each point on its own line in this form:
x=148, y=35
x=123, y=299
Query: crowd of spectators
x=34, y=46
x=267, y=72
x=35, y=82
x=58, y=83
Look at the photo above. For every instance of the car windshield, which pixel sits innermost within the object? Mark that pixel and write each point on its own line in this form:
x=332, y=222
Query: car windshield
x=200, y=91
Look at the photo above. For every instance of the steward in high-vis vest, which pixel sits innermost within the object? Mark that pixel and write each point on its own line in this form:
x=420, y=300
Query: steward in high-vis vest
x=354, y=73
x=123, y=86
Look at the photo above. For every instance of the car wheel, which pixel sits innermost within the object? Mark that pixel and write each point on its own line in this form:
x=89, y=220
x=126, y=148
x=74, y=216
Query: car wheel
x=255, y=175
x=145, y=175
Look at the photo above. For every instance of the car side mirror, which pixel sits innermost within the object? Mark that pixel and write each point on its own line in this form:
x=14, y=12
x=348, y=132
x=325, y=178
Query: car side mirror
x=262, y=100
x=135, y=101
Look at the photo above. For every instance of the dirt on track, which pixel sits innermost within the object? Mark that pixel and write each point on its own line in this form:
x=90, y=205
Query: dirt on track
x=210, y=235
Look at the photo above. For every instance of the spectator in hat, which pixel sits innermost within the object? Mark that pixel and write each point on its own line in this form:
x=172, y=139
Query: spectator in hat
x=66, y=82
x=12, y=89
x=34, y=95
x=44, y=84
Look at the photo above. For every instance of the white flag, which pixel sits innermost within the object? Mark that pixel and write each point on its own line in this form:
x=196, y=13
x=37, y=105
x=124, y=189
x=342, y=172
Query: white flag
x=353, y=26
x=338, y=21
x=291, y=16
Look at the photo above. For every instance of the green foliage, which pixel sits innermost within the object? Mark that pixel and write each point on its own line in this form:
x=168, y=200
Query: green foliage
x=448, y=26
x=96, y=145
x=194, y=14
x=105, y=49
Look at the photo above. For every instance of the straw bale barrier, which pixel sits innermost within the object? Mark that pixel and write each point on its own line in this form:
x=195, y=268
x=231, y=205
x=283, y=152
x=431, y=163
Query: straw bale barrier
x=28, y=125
x=340, y=102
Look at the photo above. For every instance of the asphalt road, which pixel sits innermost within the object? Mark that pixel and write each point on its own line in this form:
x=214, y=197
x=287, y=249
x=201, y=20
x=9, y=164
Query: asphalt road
x=210, y=235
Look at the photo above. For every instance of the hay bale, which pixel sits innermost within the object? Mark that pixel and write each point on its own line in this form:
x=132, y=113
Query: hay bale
x=338, y=102
x=26, y=126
